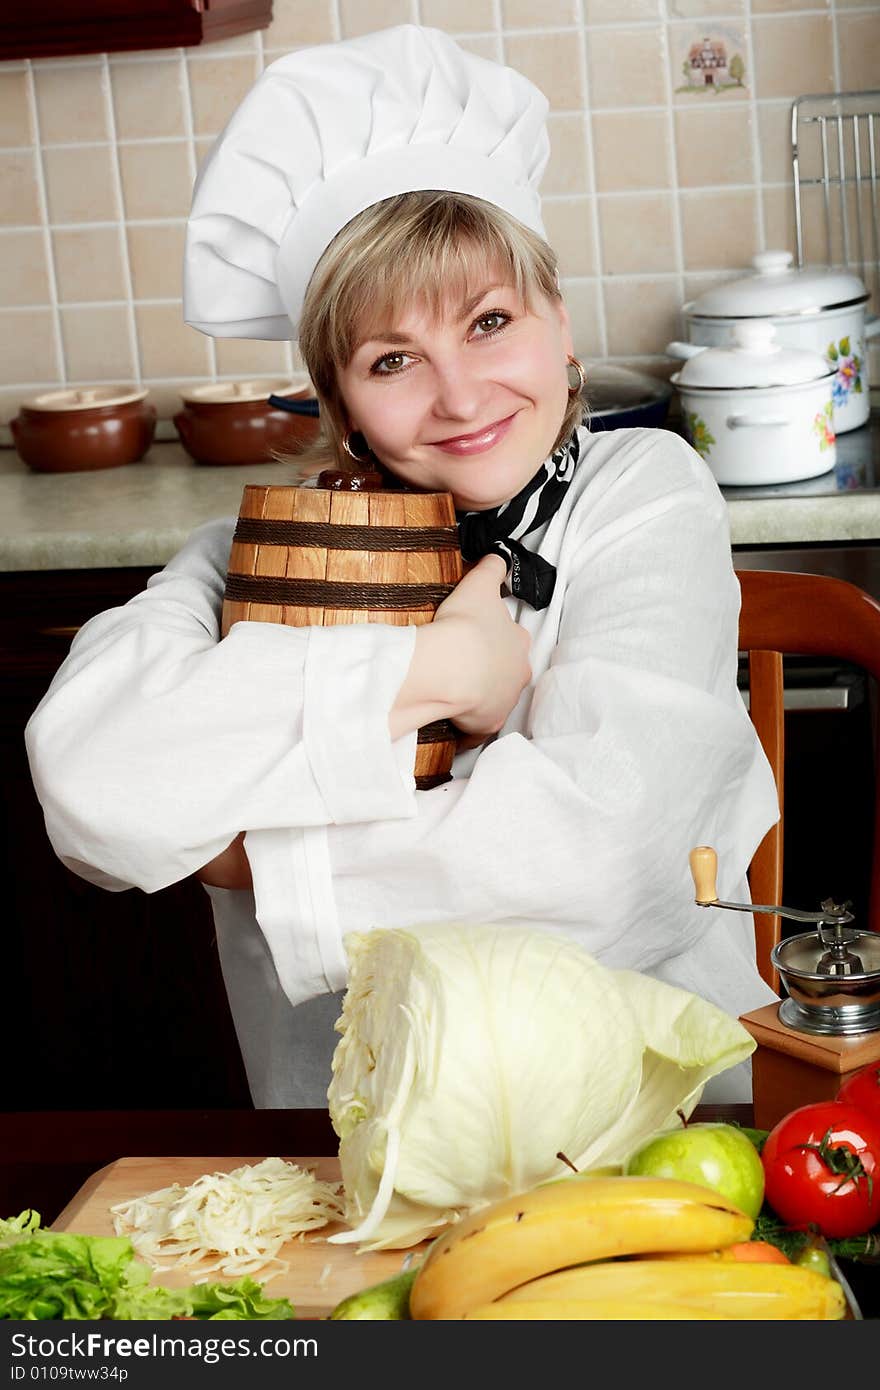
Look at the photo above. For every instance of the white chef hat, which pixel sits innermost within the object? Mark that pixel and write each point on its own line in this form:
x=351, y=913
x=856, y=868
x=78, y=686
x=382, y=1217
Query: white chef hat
x=326, y=132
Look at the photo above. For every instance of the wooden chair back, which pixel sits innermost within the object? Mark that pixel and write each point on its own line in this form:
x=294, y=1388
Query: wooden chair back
x=808, y=615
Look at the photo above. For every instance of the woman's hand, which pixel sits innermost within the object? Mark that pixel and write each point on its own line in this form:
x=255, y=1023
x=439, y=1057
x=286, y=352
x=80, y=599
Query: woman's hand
x=229, y=869
x=471, y=663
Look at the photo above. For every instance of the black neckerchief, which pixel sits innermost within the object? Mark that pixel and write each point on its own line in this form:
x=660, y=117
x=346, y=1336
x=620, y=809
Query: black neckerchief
x=499, y=530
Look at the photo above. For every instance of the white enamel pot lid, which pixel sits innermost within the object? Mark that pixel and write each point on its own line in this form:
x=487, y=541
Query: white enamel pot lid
x=86, y=398
x=777, y=290
x=754, y=361
x=246, y=392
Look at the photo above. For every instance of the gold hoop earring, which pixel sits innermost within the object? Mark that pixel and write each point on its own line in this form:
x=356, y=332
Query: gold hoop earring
x=581, y=381
x=346, y=444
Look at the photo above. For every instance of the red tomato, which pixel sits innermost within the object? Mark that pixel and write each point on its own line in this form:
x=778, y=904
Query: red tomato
x=822, y=1168
x=862, y=1088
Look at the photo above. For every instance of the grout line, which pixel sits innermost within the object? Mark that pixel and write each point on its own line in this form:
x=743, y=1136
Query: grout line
x=675, y=189
x=43, y=199
x=122, y=233
x=757, y=163
x=590, y=148
x=189, y=132
x=337, y=20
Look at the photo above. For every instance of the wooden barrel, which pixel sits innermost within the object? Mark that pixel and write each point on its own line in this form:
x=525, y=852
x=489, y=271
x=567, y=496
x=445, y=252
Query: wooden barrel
x=322, y=556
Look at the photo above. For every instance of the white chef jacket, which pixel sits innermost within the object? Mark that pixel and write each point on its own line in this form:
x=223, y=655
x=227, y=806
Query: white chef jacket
x=157, y=743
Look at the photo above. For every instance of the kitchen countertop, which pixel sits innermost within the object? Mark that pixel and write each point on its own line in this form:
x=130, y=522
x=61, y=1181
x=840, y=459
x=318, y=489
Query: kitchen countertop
x=140, y=514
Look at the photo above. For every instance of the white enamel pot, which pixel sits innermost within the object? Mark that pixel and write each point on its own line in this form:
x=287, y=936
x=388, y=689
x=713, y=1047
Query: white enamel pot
x=817, y=310
x=756, y=412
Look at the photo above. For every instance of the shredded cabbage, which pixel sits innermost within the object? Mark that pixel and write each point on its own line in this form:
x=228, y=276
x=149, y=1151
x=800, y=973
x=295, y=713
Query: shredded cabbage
x=472, y=1055
x=234, y=1223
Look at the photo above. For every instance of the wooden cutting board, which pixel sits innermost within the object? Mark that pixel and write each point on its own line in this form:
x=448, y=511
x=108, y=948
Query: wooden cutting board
x=319, y=1275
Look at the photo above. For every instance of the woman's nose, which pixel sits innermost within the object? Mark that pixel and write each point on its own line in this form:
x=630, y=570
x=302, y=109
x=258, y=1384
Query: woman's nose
x=458, y=391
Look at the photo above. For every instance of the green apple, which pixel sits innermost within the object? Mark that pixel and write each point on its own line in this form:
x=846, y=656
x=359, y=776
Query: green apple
x=718, y=1156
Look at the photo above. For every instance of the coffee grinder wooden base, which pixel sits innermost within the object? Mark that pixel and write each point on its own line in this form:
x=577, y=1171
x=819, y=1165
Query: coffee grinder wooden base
x=791, y=1068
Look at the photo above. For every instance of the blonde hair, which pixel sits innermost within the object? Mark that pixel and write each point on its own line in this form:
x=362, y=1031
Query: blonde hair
x=415, y=247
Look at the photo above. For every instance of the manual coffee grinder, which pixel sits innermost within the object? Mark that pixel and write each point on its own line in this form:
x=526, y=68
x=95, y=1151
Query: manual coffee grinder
x=828, y=1023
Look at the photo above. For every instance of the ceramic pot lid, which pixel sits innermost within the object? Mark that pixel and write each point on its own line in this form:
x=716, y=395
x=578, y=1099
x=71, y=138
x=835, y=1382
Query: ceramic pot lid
x=245, y=392
x=754, y=360
x=86, y=397
x=778, y=289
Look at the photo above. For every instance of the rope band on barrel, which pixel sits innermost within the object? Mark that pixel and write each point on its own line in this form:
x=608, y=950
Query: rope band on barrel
x=329, y=536
x=441, y=731
x=323, y=593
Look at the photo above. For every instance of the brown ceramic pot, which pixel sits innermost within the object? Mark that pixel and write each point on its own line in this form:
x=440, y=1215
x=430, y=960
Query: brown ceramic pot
x=232, y=422
x=83, y=428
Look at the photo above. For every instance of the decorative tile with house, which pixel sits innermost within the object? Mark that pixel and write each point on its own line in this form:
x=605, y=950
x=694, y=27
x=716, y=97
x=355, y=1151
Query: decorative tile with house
x=710, y=63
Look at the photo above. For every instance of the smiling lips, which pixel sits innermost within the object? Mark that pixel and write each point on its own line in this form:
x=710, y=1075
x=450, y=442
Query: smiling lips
x=478, y=443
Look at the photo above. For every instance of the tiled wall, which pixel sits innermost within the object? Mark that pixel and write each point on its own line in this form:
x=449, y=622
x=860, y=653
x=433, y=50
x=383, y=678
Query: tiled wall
x=658, y=185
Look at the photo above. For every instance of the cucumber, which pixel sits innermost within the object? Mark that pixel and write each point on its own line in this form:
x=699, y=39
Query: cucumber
x=390, y=1299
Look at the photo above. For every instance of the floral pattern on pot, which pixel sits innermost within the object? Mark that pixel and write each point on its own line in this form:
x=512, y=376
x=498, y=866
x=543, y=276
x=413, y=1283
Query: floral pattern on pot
x=823, y=426
x=698, y=433
x=849, y=371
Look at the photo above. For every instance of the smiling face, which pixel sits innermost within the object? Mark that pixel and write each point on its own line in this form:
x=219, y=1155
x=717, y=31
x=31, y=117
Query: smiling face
x=468, y=398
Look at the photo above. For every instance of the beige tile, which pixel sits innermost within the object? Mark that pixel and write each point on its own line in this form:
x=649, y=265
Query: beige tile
x=719, y=230
x=27, y=346
x=695, y=284
x=783, y=6
x=19, y=197
x=774, y=141
x=552, y=62
x=11, y=398
x=88, y=263
x=166, y=395
x=299, y=22
x=626, y=67
x=525, y=14
x=484, y=45
x=638, y=233
x=148, y=98
x=15, y=114
x=620, y=11
x=364, y=16
x=24, y=275
x=218, y=85
x=81, y=184
x=569, y=226
x=858, y=36
x=459, y=16
x=72, y=103
x=155, y=254
x=582, y=301
x=250, y=357
x=779, y=220
x=156, y=179
x=693, y=9
x=566, y=170
x=713, y=147
x=218, y=48
x=97, y=343
x=642, y=315
x=168, y=346
x=793, y=55
x=820, y=221
x=631, y=150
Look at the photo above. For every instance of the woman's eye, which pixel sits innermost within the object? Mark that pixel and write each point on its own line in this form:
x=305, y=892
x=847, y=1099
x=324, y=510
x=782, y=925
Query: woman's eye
x=389, y=364
x=491, y=322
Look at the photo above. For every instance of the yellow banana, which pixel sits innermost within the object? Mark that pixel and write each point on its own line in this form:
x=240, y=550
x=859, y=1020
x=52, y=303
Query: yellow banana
x=589, y=1309
x=720, y=1287
x=492, y=1250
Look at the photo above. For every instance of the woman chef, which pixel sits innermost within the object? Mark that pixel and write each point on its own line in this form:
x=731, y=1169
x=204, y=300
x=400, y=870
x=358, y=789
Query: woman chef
x=377, y=199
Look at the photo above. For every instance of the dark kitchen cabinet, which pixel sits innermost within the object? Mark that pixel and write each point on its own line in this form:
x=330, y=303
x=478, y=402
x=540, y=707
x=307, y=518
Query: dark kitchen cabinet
x=51, y=28
x=109, y=1000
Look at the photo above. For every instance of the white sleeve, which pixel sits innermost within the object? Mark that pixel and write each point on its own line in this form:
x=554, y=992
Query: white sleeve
x=157, y=743
x=637, y=747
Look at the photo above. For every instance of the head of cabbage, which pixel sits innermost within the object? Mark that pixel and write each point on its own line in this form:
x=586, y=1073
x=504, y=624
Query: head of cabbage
x=472, y=1055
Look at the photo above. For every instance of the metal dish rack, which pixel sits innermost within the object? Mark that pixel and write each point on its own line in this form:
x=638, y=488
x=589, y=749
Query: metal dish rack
x=834, y=142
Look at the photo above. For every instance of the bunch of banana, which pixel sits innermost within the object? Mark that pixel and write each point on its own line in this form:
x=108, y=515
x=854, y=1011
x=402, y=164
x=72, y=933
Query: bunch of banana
x=565, y=1250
